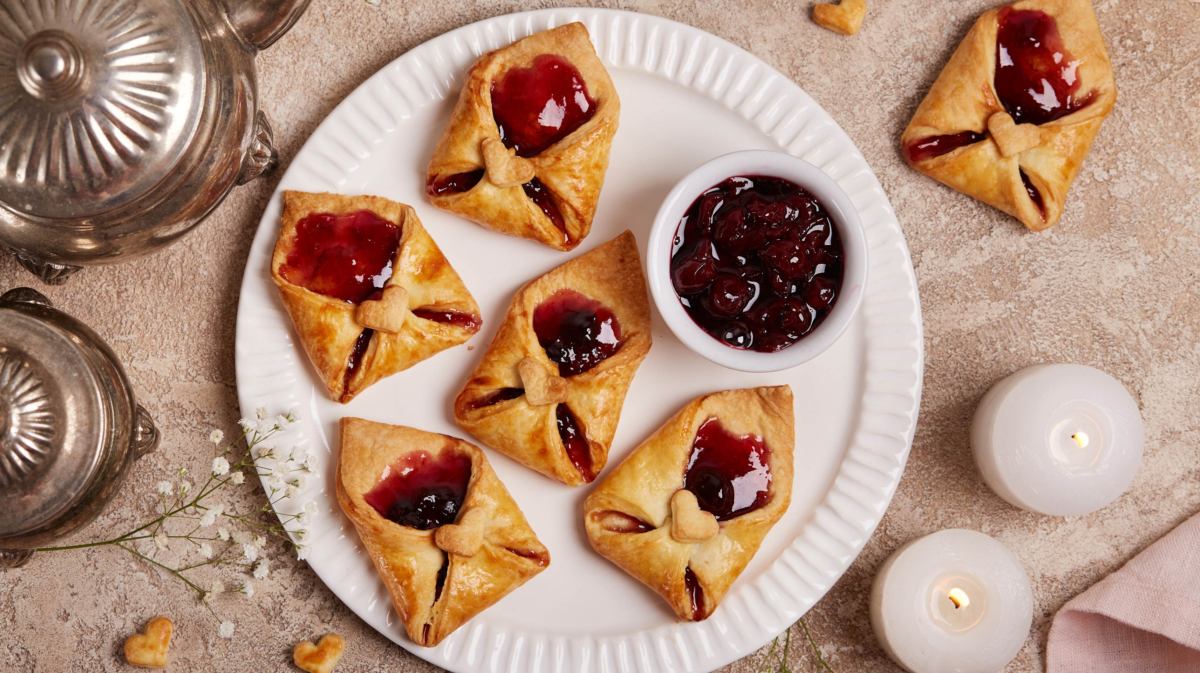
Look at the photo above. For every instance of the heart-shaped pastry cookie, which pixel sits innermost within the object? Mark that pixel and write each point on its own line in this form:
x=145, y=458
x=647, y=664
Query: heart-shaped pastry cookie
x=321, y=657
x=149, y=649
x=845, y=17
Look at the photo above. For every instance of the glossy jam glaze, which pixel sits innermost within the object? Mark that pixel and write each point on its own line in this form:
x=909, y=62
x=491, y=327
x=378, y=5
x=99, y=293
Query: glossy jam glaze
x=729, y=475
x=354, y=362
x=455, y=183
x=576, y=331
x=467, y=321
x=935, y=146
x=746, y=256
x=496, y=397
x=422, y=491
x=537, y=106
x=575, y=441
x=1037, y=79
x=347, y=257
x=541, y=197
x=695, y=592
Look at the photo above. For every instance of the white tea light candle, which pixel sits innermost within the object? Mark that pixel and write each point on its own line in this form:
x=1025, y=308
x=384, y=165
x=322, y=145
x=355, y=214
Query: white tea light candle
x=956, y=601
x=1063, y=440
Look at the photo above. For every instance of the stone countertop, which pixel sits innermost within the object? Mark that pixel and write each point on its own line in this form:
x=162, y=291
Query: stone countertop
x=1114, y=285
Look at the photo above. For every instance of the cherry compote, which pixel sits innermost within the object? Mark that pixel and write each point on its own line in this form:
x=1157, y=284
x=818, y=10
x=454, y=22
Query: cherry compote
x=347, y=257
x=537, y=106
x=757, y=262
x=455, y=183
x=1037, y=79
x=729, y=475
x=575, y=441
x=577, y=332
x=422, y=491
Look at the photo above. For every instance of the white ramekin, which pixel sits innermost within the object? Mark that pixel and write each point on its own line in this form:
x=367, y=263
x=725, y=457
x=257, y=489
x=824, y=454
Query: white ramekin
x=776, y=164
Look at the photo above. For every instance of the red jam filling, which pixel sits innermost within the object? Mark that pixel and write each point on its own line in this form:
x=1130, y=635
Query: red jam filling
x=575, y=442
x=620, y=522
x=496, y=397
x=454, y=183
x=347, y=257
x=1033, y=192
x=464, y=320
x=935, y=146
x=538, y=193
x=696, y=594
x=729, y=475
x=1037, y=79
x=356, y=356
x=421, y=491
x=577, y=332
x=747, y=255
x=537, y=106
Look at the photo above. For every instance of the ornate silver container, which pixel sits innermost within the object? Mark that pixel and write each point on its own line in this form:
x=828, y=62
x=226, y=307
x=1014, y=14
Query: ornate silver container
x=124, y=122
x=69, y=424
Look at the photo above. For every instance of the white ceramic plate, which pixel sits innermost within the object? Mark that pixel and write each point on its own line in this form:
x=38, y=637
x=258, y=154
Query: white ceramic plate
x=686, y=96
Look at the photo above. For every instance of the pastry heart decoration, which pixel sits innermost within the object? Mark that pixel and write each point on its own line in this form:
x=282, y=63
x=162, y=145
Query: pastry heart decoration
x=845, y=17
x=549, y=390
x=527, y=145
x=688, y=508
x=149, y=649
x=689, y=523
x=463, y=538
x=1014, y=111
x=320, y=657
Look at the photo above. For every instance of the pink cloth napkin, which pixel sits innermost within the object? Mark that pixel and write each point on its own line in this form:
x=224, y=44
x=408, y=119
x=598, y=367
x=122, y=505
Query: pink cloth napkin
x=1144, y=618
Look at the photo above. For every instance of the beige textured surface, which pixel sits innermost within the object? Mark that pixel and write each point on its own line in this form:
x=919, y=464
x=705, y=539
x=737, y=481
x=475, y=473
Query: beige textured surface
x=1114, y=285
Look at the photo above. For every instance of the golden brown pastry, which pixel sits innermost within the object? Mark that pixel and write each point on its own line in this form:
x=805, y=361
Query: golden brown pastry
x=320, y=657
x=527, y=145
x=1010, y=119
x=445, y=536
x=151, y=647
x=845, y=17
x=368, y=291
x=687, y=510
x=548, y=392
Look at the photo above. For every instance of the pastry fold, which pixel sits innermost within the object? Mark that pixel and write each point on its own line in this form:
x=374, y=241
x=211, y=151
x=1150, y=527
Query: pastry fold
x=507, y=553
x=629, y=517
x=329, y=328
x=524, y=426
x=572, y=169
x=964, y=99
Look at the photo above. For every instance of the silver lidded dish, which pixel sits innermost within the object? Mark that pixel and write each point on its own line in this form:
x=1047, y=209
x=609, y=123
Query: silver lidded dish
x=69, y=425
x=123, y=123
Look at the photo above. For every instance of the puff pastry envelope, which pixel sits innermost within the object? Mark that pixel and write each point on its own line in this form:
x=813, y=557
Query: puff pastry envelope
x=548, y=392
x=463, y=543
x=367, y=289
x=527, y=145
x=1013, y=113
x=687, y=510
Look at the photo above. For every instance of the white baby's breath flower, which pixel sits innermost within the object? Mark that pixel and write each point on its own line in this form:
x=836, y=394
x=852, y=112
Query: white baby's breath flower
x=301, y=552
x=247, y=589
x=164, y=487
x=299, y=454
x=225, y=630
x=223, y=534
x=249, y=553
x=275, y=483
x=206, y=550
x=237, y=478
x=261, y=569
x=185, y=486
x=241, y=537
x=216, y=436
x=283, y=420
x=210, y=516
x=246, y=425
x=160, y=539
x=217, y=587
x=206, y=596
x=290, y=491
x=260, y=541
x=220, y=466
x=260, y=413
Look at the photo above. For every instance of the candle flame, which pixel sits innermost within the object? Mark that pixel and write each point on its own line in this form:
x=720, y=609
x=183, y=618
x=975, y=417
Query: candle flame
x=1081, y=439
x=959, y=598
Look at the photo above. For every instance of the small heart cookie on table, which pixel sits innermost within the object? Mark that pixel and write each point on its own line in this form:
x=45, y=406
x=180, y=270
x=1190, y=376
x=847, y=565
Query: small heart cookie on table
x=321, y=657
x=846, y=17
x=148, y=649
